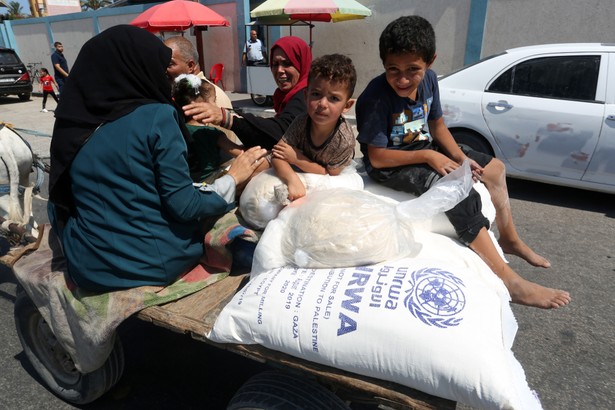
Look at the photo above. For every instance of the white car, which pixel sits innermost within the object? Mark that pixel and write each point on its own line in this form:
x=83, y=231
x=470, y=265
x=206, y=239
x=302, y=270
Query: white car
x=548, y=112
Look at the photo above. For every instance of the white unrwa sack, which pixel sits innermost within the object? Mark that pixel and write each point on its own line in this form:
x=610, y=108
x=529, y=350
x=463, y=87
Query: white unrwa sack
x=440, y=327
x=264, y=196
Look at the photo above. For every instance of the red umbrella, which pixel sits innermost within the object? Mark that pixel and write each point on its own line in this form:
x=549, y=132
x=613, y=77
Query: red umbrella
x=178, y=15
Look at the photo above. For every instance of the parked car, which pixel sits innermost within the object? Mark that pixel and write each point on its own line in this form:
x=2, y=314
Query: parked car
x=547, y=111
x=14, y=77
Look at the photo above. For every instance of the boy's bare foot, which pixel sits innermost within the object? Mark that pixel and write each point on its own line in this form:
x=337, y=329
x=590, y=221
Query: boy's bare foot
x=529, y=293
x=520, y=249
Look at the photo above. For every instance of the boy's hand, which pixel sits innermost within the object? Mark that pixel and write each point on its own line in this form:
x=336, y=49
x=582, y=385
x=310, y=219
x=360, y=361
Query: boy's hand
x=477, y=170
x=441, y=163
x=285, y=152
x=296, y=190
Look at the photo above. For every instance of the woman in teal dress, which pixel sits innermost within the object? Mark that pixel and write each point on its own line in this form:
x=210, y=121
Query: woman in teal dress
x=121, y=196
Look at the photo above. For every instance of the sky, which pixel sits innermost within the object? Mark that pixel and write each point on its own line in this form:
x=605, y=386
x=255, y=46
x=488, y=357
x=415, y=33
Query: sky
x=25, y=6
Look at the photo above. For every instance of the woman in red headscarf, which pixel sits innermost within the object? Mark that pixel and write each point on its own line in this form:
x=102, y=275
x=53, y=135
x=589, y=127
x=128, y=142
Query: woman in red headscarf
x=290, y=61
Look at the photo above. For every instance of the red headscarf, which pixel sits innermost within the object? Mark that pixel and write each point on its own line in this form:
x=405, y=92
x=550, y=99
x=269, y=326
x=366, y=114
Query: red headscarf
x=300, y=56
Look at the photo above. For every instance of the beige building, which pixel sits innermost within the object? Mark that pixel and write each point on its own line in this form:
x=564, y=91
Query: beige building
x=56, y=7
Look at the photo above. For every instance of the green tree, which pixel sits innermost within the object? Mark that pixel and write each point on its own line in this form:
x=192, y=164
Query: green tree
x=15, y=11
x=94, y=4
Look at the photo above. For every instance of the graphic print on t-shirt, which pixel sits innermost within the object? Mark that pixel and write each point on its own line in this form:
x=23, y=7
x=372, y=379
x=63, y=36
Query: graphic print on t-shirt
x=409, y=126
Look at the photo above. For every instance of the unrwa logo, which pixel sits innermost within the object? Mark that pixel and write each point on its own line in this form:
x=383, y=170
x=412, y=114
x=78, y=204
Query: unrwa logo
x=435, y=297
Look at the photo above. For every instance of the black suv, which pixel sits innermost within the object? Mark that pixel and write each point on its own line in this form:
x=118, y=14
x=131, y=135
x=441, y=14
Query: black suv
x=14, y=78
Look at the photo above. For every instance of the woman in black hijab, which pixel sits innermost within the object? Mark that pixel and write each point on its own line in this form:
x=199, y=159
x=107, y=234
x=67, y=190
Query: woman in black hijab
x=121, y=196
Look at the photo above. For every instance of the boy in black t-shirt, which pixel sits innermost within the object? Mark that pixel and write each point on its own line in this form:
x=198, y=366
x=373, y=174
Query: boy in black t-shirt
x=407, y=147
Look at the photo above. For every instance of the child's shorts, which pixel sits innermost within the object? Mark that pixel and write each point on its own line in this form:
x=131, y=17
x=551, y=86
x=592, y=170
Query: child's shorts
x=466, y=217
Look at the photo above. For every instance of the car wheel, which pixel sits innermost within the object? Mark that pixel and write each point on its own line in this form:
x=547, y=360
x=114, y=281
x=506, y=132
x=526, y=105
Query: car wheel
x=24, y=97
x=472, y=141
x=261, y=100
x=284, y=391
x=54, y=365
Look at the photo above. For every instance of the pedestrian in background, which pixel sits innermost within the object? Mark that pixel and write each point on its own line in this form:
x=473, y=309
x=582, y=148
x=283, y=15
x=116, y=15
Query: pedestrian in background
x=253, y=51
x=47, y=83
x=60, y=65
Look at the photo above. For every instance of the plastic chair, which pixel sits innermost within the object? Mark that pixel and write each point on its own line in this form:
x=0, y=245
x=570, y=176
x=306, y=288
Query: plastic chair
x=215, y=74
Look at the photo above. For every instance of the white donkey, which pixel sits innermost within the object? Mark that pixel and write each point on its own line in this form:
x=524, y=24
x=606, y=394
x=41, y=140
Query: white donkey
x=17, y=162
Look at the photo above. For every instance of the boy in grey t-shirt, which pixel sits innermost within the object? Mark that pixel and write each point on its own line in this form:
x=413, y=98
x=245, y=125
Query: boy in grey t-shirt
x=321, y=141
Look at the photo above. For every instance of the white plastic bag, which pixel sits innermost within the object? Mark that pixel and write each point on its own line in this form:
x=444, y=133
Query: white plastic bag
x=341, y=228
x=442, y=196
x=439, y=223
x=264, y=196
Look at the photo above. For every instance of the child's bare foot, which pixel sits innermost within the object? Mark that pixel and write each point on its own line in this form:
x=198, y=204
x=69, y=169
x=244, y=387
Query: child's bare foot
x=520, y=249
x=529, y=293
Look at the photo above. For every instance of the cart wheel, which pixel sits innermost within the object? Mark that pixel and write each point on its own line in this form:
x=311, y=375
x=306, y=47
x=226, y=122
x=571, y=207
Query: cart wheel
x=54, y=365
x=261, y=100
x=284, y=391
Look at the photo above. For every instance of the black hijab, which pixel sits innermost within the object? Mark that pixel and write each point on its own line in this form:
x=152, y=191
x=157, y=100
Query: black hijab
x=115, y=72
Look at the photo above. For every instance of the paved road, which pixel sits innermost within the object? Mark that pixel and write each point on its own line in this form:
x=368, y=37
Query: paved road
x=568, y=354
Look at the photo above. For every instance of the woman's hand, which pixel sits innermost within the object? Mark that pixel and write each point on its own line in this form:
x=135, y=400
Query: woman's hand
x=206, y=113
x=246, y=163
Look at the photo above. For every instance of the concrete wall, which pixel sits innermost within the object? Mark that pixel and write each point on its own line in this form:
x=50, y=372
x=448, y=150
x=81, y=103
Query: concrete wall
x=359, y=38
x=33, y=38
x=218, y=41
x=515, y=23
x=33, y=44
x=466, y=30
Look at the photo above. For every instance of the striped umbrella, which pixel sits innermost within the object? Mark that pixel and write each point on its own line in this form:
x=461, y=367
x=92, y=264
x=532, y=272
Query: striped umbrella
x=288, y=12
x=311, y=10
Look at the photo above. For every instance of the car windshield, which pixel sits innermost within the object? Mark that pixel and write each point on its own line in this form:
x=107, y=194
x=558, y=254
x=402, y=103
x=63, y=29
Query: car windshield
x=8, y=58
x=470, y=65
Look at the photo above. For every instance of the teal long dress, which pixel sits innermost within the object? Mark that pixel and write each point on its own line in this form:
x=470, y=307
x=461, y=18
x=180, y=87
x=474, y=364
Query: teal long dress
x=206, y=149
x=137, y=212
